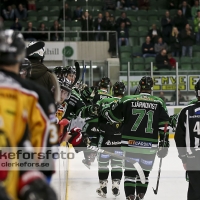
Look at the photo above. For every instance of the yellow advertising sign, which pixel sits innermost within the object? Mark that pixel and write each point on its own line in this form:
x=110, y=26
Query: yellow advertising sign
x=192, y=81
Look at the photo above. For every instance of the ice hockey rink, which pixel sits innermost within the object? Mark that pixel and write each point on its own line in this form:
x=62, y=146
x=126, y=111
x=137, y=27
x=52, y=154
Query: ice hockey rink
x=74, y=181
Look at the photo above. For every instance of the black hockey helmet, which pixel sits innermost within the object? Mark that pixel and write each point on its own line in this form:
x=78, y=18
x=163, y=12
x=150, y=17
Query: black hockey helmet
x=105, y=82
x=12, y=47
x=57, y=70
x=25, y=68
x=146, y=83
x=119, y=88
x=197, y=88
x=66, y=86
x=68, y=70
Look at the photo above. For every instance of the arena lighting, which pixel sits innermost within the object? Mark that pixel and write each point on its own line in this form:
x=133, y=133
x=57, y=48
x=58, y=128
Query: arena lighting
x=94, y=67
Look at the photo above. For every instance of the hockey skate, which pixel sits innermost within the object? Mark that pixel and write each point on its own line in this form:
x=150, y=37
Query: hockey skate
x=115, y=187
x=131, y=197
x=102, y=191
x=140, y=196
x=87, y=162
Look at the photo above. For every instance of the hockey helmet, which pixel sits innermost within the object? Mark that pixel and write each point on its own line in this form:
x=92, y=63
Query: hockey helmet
x=197, y=88
x=37, y=54
x=57, y=70
x=68, y=70
x=119, y=88
x=66, y=89
x=146, y=83
x=105, y=82
x=25, y=68
x=12, y=47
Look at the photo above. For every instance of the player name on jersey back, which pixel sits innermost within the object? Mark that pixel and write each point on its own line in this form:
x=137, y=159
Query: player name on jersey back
x=140, y=104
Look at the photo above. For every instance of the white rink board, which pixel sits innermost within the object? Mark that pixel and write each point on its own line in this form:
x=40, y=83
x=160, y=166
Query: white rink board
x=82, y=182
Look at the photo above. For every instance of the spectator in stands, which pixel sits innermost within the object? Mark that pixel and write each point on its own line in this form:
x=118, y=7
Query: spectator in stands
x=21, y=12
x=99, y=25
x=106, y=20
x=65, y=14
x=125, y=19
x=87, y=25
x=56, y=36
x=172, y=61
x=186, y=10
x=144, y=4
x=31, y=5
x=78, y=13
x=175, y=42
x=162, y=61
x=197, y=27
x=30, y=36
x=43, y=35
x=195, y=8
x=9, y=13
x=154, y=34
x=179, y=20
x=16, y=25
x=112, y=36
x=172, y=4
x=127, y=5
x=109, y=5
x=162, y=96
x=166, y=23
x=181, y=98
x=121, y=4
x=123, y=35
x=148, y=48
x=187, y=40
x=160, y=45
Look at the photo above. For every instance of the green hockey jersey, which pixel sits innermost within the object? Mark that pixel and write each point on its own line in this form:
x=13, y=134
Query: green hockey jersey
x=144, y=117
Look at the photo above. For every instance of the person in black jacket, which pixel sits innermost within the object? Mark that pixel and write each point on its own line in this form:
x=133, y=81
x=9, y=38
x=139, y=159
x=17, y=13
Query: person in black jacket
x=123, y=35
x=186, y=9
x=40, y=74
x=87, y=25
x=99, y=25
x=65, y=14
x=148, y=48
x=187, y=40
x=166, y=23
x=125, y=19
x=179, y=20
x=154, y=34
x=175, y=42
x=78, y=13
x=162, y=61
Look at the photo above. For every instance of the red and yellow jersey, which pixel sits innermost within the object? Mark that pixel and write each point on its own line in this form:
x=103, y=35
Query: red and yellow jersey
x=22, y=118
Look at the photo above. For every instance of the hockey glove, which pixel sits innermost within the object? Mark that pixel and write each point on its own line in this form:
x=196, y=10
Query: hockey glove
x=94, y=110
x=173, y=121
x=3, y=194
x=32, y=186
x=163, y=149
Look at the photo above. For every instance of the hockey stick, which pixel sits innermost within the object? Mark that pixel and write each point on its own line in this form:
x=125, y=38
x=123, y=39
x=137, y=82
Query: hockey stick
x=160, y=164
x=135, y=164
x=35, y=47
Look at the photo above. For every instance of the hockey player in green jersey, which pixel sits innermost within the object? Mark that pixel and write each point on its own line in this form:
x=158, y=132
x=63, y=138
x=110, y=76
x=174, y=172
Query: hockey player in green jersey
x=144, y=117
x=110, y=137
x=91, y=125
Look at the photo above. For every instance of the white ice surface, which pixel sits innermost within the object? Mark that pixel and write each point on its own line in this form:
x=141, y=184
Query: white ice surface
x=82, y=182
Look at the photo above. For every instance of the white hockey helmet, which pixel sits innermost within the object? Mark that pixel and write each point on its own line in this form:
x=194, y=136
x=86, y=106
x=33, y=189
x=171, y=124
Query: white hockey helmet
x=37, y=54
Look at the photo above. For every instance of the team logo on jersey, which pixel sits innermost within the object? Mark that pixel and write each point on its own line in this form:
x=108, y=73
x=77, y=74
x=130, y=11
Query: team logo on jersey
x=117, y=125
x=113, y=143
x=138, y=143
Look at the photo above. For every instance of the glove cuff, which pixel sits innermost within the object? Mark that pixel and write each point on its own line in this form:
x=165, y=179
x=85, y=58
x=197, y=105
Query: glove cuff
x=27, y=178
